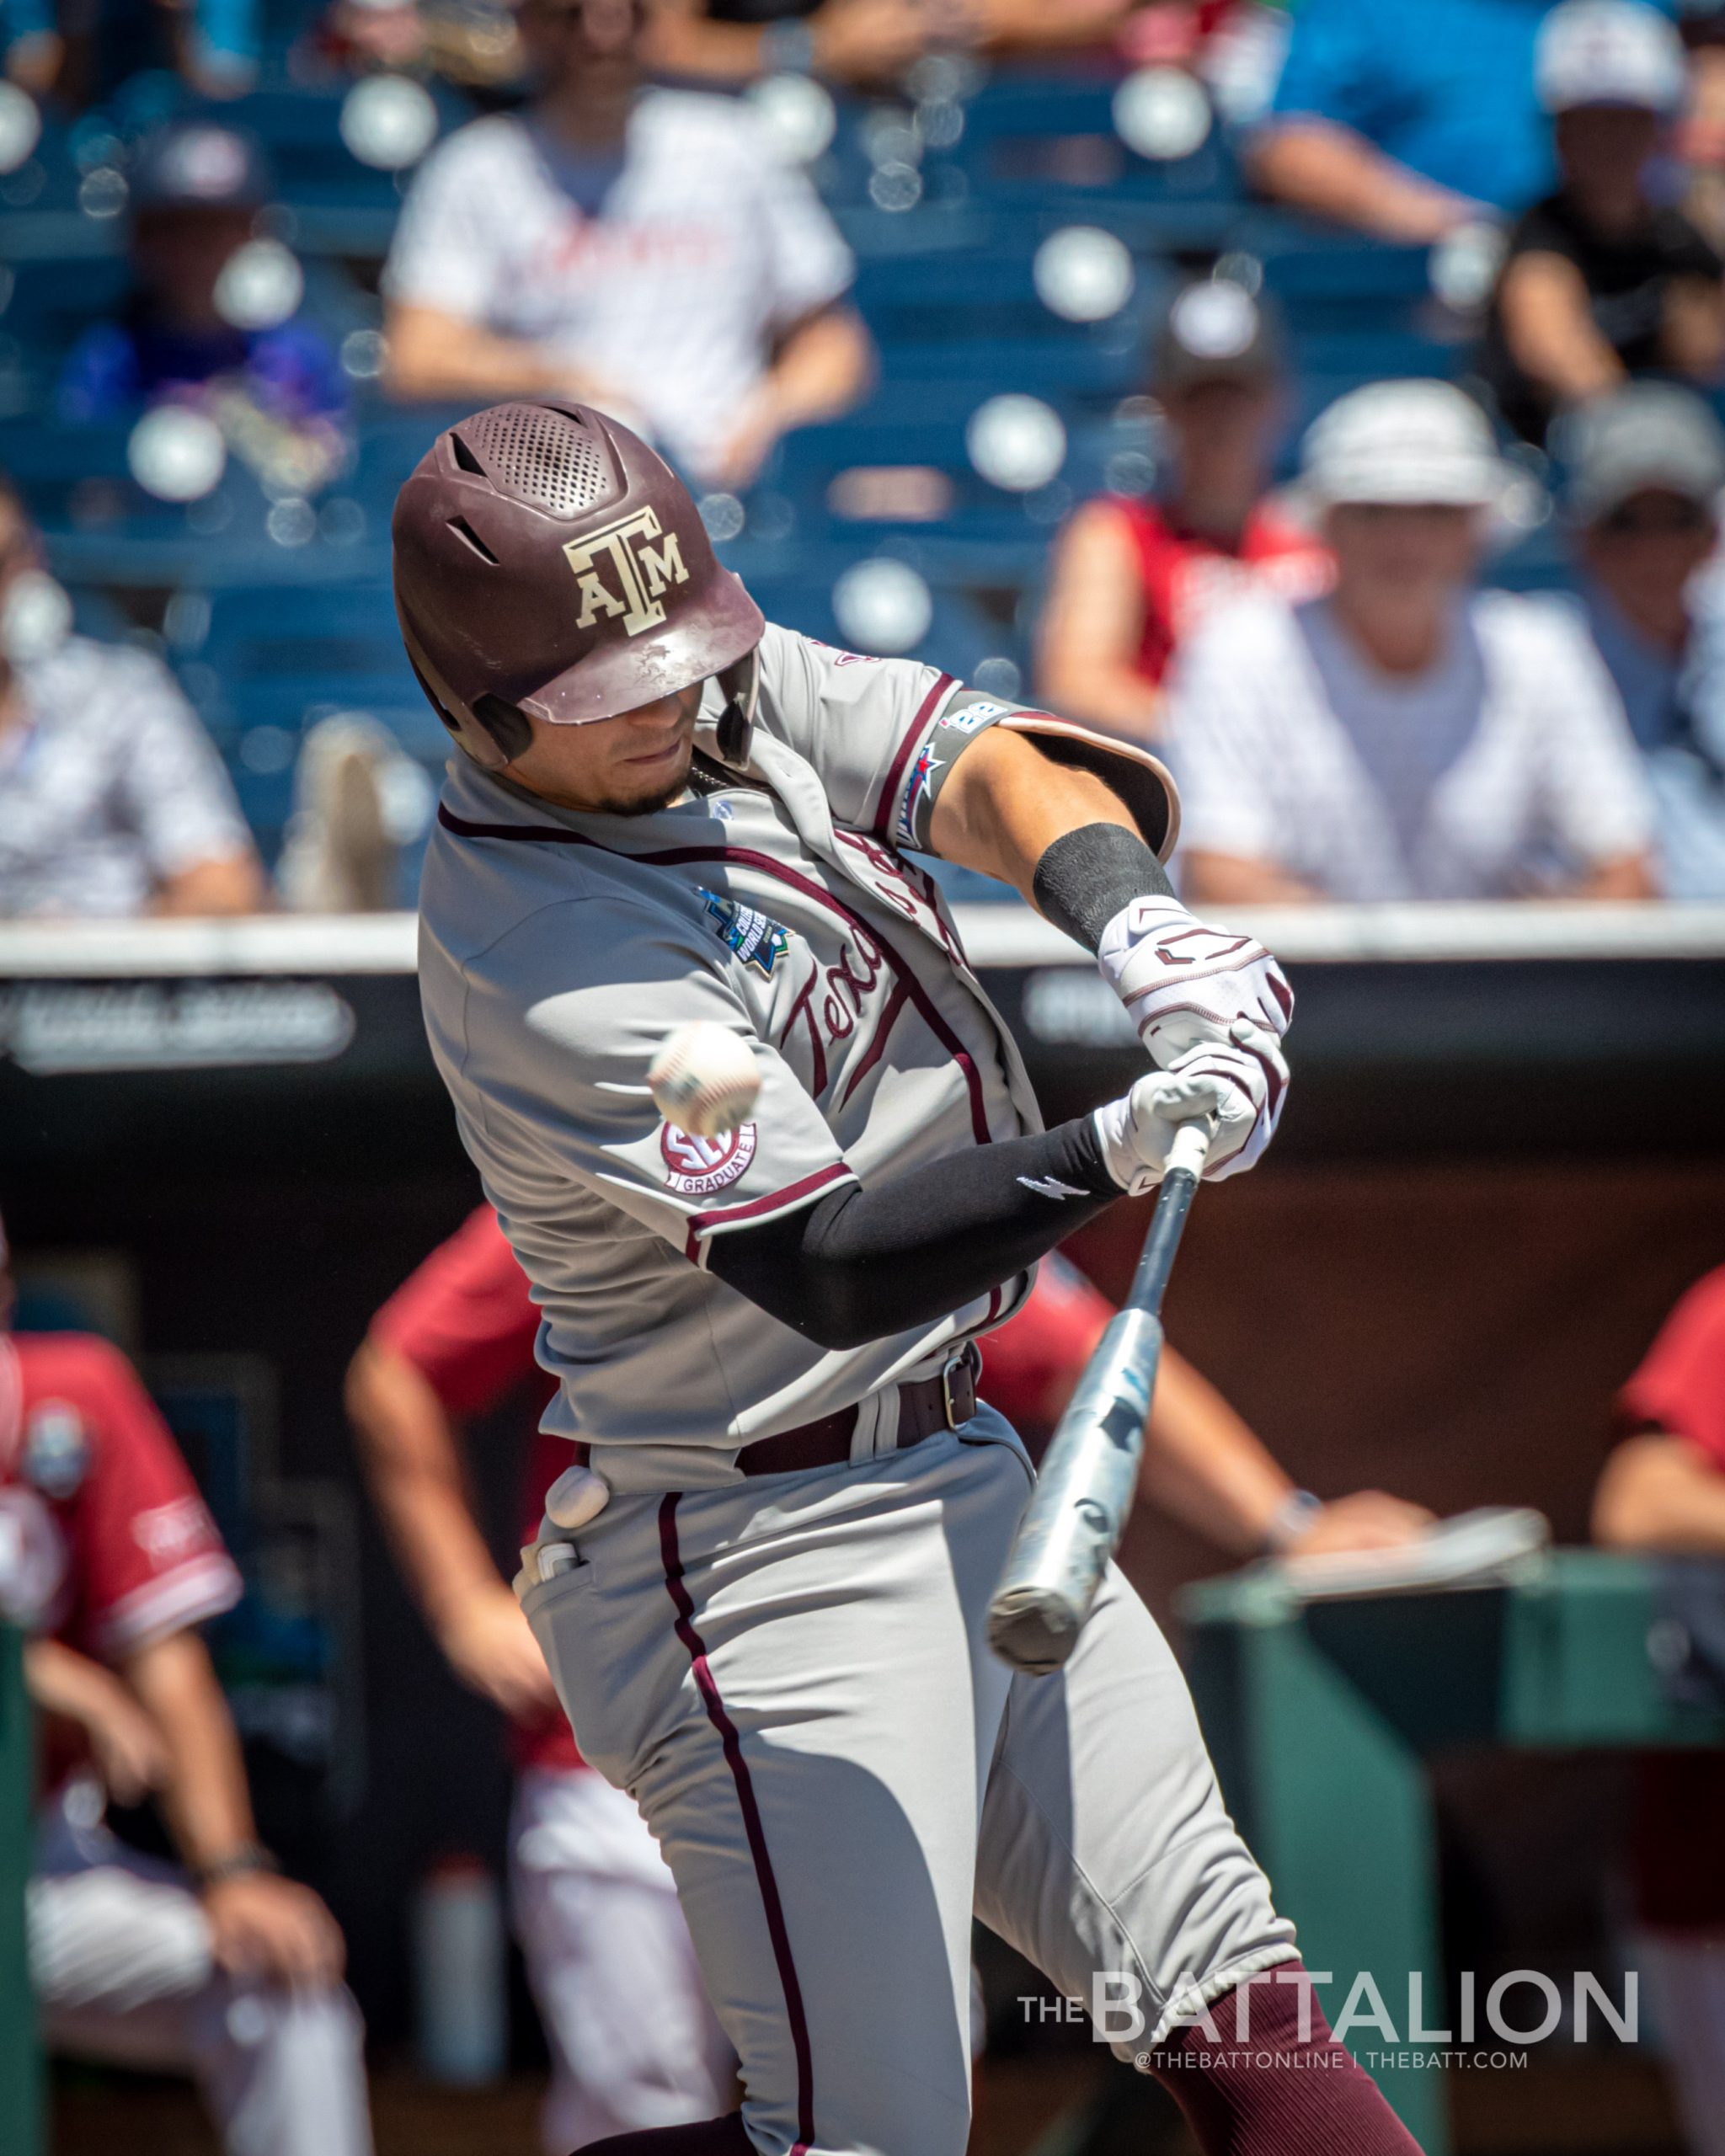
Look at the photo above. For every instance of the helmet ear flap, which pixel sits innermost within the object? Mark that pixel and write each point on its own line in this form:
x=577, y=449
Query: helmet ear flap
x=507, y=723
x=740, y=686
x=494, y=734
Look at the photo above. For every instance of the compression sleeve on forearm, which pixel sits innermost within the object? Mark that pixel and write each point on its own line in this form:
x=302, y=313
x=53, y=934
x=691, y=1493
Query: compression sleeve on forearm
x=1087, y=876
x=859, y=1265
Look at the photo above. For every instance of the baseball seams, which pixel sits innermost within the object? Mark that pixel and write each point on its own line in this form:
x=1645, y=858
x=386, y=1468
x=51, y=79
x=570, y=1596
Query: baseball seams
x=704, y=1079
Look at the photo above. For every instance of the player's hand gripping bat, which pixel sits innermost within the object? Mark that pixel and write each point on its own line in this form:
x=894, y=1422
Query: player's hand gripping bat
x=1076, y=1517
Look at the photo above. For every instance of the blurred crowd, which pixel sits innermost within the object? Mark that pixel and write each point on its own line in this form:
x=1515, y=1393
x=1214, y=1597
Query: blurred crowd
x=1350, y=710
x=1353, y=712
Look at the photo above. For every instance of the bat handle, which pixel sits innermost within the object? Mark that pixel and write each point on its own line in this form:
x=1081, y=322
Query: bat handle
x=1190, y=1148
x=1188, y=1151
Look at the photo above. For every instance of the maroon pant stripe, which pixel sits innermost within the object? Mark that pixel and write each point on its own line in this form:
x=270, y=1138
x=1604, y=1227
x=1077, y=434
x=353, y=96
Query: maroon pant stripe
x=713, y=1701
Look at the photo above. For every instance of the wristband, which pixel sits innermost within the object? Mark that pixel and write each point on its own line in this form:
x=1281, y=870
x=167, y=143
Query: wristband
x=1087, y=878
x=1291, y=1518
x=246, y=1857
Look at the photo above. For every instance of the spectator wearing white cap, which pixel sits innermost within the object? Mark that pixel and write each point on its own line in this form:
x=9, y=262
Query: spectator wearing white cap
x=1604, y=279
x=1134, y=574
x=1647, y=466
x=1406, y=736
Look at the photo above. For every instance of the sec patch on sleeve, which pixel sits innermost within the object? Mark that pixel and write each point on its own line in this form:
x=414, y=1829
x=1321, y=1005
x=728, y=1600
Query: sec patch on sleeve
x=694, y=1167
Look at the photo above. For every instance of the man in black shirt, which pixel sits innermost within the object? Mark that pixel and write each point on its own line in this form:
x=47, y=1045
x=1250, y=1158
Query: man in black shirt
x=1602, y=279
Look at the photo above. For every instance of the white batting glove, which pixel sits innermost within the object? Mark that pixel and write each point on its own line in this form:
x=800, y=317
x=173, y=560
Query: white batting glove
x=1203, y=998
x=1136, y=1132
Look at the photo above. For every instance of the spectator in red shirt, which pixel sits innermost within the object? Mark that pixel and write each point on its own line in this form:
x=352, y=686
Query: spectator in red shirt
x=634, y=2042
x=1664, y=1487
x=1664, y=1491
x=221, y=1968
x=1134, y=574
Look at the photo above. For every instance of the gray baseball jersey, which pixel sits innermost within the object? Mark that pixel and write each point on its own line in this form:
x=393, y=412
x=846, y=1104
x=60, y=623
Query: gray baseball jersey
x=557, y=950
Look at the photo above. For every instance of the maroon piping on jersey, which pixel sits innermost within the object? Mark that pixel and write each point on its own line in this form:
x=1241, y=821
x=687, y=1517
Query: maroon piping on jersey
x=703, y=1224
x=677, y=855
x=894, y=769
x=764, y=1879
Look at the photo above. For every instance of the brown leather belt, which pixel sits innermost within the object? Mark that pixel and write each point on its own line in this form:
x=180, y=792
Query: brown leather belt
x=930, y=1404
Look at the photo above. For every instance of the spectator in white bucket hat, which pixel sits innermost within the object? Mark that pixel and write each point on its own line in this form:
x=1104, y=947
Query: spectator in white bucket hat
x=1406, y=735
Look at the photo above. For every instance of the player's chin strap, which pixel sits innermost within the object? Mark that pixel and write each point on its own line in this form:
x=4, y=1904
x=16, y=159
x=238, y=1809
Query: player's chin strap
x=740, y=684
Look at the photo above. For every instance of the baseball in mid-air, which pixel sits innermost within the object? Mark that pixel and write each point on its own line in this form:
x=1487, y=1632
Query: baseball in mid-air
x=704, y=1079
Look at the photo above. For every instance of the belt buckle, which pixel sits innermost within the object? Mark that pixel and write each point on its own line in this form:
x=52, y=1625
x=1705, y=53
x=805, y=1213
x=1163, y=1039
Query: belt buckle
x=969, y=1360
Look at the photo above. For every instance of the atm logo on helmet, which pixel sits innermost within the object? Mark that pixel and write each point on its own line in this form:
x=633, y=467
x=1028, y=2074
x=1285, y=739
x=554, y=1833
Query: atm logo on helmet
x=620, y=571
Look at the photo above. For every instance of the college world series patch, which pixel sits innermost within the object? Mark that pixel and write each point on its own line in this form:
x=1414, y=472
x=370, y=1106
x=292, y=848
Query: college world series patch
x=757, y=940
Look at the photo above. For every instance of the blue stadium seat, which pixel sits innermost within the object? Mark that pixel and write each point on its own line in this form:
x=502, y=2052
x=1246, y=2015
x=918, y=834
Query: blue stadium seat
x=101, y=527
x=336, y=645
x=341, y=206
x=1030, y=142
x=263, y=666
x=49, y=302
x=960, y=638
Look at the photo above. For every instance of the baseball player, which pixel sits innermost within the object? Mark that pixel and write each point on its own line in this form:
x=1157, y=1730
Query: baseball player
x=633, y=2039
x=760, y=1586
x=222, y=1967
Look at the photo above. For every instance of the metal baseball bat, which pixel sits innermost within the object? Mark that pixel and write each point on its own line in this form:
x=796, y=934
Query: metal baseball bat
x=1073, y=1524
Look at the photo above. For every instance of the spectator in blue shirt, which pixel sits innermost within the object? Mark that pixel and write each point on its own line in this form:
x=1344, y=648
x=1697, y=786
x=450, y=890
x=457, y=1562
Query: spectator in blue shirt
x=1646, y=465
x=1407, y=120
x=211, y=321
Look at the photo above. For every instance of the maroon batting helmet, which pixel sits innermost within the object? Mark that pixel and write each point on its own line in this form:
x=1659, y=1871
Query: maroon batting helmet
x=549, y=565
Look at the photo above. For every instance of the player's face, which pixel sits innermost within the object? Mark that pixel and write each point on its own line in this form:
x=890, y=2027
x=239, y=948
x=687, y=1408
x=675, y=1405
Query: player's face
x=624, y=767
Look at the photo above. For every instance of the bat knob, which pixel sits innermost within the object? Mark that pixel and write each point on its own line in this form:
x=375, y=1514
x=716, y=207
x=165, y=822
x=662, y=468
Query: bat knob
x=1032, y=1630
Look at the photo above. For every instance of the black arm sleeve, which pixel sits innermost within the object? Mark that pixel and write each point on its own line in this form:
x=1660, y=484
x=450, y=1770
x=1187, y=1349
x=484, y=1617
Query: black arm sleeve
x=860, y=1264
x=1086, y=876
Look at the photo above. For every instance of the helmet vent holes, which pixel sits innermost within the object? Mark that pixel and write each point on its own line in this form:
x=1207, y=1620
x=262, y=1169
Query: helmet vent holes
x=542, y=455
x=464, y=457
x=464, y=531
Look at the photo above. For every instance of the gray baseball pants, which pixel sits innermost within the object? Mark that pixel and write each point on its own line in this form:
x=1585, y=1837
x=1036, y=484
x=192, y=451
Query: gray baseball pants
x=790, y=1675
